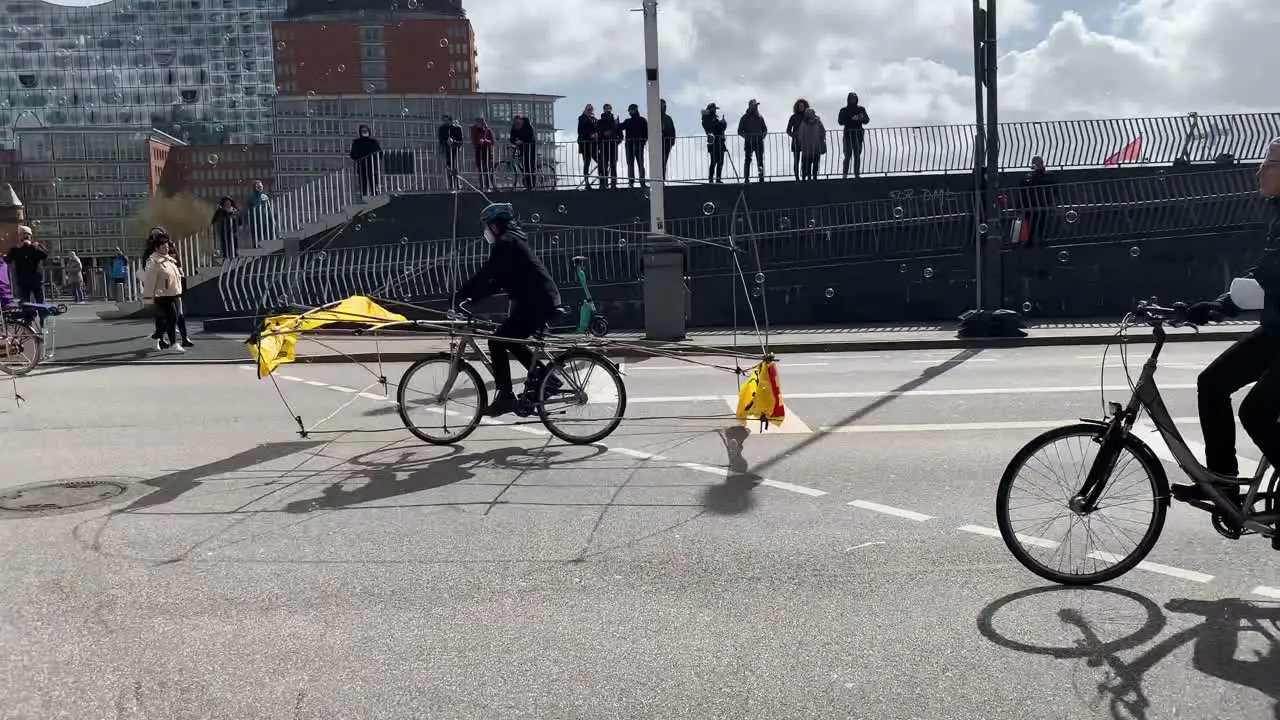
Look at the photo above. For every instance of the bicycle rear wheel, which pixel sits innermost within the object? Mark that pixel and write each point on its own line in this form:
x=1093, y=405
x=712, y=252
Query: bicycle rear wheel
x=580, y=380
x=425, y=403
x=1134, y=493
x=21, y=348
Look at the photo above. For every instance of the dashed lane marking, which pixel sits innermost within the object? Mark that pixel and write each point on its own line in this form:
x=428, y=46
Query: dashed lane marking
x=1191, y=575
x=992, y=532
x=873, y=394
x=887, y=510
x=702, y=368
x=1266, y=592
x=791, y=423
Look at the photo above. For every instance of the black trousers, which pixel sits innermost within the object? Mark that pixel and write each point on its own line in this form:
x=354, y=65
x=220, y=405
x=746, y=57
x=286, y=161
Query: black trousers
x=181, y=323
x=1255, y=357
x=635, y=157
x=853, y=142
x=522, y=323
x=167, y=318
x=28, y=291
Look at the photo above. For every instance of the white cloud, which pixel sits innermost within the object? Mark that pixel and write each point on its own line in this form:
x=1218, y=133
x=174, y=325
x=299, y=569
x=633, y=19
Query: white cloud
x=910, y=60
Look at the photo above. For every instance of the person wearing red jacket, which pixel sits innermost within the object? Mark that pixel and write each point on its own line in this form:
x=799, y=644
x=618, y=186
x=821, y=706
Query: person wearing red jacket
x=483, y=141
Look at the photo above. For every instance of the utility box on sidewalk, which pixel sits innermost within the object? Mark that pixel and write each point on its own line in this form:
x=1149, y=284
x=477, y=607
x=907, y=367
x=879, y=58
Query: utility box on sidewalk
x=664, y=291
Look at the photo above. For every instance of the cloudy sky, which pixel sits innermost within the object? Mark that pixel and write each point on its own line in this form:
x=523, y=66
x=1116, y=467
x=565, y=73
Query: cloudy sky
x=909, y=60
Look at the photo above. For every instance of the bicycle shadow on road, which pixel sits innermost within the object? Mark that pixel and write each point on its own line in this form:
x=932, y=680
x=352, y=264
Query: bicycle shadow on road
x=1215, y=643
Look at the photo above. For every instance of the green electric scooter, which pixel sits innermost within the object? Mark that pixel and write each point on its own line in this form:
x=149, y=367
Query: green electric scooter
x=590, y=321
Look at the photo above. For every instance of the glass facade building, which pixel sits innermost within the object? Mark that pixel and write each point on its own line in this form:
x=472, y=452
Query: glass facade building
x=199, y=70
x=313, y=134
x=81, y=185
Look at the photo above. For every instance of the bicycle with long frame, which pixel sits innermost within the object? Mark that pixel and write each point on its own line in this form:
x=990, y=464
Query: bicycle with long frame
x=1117, y=447
x=555, y=385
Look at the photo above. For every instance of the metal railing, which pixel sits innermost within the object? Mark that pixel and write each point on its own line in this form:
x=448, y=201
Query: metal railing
x=766, y=241
x=885, y=151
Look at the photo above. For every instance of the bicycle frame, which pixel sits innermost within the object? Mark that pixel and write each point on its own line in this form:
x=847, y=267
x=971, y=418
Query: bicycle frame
x=458, y=355
x=1146, y=396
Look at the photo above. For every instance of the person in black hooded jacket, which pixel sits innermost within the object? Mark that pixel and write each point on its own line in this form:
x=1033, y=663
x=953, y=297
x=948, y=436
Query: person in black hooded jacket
x=449, y=137
x=610, y=138
x=853, y=118
x=363, y=151
x=715, y=126
x=793, y=124
x=752, y=129
x=1252, y=359
x=635, y=131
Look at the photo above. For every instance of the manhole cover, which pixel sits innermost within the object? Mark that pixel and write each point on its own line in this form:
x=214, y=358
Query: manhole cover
x=66, y=496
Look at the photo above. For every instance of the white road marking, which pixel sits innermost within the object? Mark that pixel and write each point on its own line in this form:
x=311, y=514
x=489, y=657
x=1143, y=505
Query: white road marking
x=342, y=389
x=703, y=368
x=314, y=383
x=872, y=394
x=1026, y=539
x=1191, y=575
x=1146, y=431
x=887, y=510
x=371, y=396
x=799, y=489
x=1266, y=592
x=978, y=426
x=957, y=361
x=791, y=424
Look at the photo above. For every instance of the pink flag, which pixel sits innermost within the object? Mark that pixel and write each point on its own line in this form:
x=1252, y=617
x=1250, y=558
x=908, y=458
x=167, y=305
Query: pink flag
x=1131, y=153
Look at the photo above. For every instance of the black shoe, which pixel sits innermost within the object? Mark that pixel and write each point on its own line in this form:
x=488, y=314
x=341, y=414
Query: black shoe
x=187, y=343
x=502, y=403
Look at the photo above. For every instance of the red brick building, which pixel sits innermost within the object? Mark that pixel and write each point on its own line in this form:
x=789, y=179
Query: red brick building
x=211, y=172
x=341, y=47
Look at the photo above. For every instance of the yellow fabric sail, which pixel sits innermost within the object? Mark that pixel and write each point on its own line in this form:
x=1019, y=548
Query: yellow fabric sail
x=275, y=343
x=761, y=395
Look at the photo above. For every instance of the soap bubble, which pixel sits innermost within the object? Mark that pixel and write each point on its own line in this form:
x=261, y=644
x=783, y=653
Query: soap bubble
x=784, y=223
x=1072, y=216
x=430, y=65
x=982, y=228
x=342, y=68
x=1026, y=307
x=444, y=42
x=1064, y=256
x=902, y=268
x=813, y=223
x=928, y=272
x=755, y=292
x=708, y=208
x=536, y=218
x=279, y=45
x=830, y=293
x=1135, y=251
x=560, y=209
x=357, y=227
x=322, y=255
x=555, y=239
x=404, y=241
x=622, y=241
x=213, y=159
x=412, y=4
x=899, y=212
x=759, y=278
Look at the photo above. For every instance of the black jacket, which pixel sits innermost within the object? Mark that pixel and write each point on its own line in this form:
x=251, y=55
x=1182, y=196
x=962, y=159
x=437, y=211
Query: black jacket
x=525, y=135
x=635, y=128
x=363, y=147
x=26, y=261
x=512, y=267
x=607, y=126
x=752, y=128
x=1267, y=273
x=449, y=135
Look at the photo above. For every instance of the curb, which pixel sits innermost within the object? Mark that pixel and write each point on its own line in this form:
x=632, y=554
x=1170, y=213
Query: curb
x=781, y=348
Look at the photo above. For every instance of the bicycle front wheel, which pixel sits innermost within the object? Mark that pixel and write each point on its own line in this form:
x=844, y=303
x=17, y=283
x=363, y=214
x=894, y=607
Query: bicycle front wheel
x=579, y=384
x=436, y=410
x=1033, y=503
x=21, y=348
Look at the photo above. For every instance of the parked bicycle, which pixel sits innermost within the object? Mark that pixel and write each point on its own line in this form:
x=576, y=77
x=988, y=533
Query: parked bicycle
x=1116, y=449
x=565, y=383
x=509, y=173
x=26, y=336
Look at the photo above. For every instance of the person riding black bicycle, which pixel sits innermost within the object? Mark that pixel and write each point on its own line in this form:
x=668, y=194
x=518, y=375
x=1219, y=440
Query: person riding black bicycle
x=512, y=267
x=1254, y=358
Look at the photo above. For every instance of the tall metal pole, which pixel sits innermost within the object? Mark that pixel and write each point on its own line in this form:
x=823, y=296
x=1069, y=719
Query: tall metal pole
x=665, y=290
x=980, y=200
x=994, y=287
x=657, y=174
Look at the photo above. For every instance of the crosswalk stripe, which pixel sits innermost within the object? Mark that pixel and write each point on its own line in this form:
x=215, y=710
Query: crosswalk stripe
x=791, y=424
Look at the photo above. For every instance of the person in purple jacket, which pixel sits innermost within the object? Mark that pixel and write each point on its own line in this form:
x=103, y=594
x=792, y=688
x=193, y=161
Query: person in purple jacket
x=6, y=288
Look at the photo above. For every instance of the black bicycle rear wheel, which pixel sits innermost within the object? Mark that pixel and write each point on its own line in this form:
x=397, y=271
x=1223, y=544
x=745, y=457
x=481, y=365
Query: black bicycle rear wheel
x=1151, y=495
x=581, y=379
x=21, y=348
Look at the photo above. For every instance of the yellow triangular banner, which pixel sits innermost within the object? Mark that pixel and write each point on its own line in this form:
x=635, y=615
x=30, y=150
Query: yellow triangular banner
x=278, y=337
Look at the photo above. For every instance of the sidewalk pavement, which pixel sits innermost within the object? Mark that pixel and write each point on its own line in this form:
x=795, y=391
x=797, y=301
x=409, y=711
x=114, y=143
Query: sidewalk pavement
x=89, y=341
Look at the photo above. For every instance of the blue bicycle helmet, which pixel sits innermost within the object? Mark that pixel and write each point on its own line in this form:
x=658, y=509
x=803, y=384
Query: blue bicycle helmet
x=497, y=213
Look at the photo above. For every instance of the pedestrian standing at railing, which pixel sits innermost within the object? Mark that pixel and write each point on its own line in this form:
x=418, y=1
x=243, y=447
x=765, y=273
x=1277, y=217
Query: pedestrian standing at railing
x=853, y=118
x=752, y=129
x=226, y=221
x=364, y=151
x=715, y=127
x=1036, y=199
x=610, y=138
x=588, y=142
x=793, y=126
x=668, y=137
x=525, y=141
x=811, y=138
x=635, y=132
x=482, y=141
x=449, y=137
x=258, y=215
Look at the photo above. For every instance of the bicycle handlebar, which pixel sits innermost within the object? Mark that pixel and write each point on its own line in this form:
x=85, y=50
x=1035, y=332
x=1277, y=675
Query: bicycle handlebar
x=1157, y=315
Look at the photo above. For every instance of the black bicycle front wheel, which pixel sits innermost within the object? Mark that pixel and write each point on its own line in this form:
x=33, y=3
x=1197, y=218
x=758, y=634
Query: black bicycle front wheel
x=437, y=414
x=581, y=381
x=1130, y=510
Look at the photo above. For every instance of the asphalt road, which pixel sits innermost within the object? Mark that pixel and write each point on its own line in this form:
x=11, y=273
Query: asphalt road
x=362, y=574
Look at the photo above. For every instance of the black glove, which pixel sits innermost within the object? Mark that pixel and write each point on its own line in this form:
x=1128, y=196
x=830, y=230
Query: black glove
x=1206, y=311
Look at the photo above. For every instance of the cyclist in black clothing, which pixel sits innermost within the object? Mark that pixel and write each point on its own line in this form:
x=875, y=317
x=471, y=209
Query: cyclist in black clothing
x=1254, y=358
x=512, y=267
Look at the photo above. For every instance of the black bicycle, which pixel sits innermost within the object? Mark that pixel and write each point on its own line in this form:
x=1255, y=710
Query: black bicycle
x=575, y=379
x=1112, y=458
